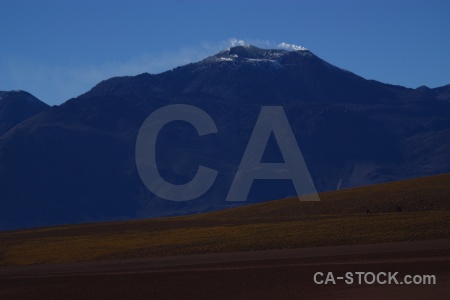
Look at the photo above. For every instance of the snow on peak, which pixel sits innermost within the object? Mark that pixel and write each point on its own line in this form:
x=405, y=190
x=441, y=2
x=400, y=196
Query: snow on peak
x=292, y=47
x=244, y=54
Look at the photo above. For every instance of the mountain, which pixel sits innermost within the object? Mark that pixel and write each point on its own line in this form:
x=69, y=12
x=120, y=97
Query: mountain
x=76, y=162
x=17, y=106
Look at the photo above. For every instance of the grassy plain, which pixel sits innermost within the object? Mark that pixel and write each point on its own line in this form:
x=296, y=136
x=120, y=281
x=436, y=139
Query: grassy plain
x=340, y=218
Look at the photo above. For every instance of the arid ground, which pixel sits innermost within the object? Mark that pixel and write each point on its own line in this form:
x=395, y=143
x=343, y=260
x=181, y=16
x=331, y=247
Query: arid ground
x=269, y=274
x=264, y=251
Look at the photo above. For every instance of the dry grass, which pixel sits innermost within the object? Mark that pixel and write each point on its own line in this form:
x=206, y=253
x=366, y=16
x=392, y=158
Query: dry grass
x=339, y=219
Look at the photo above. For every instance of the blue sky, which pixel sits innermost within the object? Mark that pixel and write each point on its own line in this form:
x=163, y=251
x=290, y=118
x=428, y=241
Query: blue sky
x=57, y=50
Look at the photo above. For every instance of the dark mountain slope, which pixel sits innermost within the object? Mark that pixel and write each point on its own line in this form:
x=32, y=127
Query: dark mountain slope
x=17, y=106
x=75, y=162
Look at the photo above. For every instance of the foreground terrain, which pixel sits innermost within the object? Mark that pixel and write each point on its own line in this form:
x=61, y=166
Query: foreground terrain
x=263, y=251
x=271, y=274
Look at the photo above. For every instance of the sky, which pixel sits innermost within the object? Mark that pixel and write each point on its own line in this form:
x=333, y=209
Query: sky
x=57, y=50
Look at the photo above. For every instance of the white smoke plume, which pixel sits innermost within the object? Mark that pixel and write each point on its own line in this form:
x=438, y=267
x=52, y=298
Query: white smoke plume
x=236, y=42
x=291, y=46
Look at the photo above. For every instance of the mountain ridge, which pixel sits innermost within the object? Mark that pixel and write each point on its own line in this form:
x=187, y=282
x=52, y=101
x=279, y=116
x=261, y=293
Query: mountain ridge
x=76, y=160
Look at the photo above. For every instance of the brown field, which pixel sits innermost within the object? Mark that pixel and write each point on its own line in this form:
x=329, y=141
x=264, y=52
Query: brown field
x=269, y=274
x=136, y=258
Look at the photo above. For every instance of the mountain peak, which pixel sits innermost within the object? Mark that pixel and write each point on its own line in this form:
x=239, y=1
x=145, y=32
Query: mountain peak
x=249, y=51
x=20, y=96
x=252, y=53
x=14, y=92
x=77, y=161
x=17, y=106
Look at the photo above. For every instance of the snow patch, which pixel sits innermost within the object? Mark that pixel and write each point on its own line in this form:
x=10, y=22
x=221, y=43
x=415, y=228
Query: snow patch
x=272, y=62
x=257, y=59
x=339, y=184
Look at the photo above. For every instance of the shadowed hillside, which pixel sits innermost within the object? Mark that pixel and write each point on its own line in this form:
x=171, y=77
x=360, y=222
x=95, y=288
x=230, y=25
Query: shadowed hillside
x=415, y=195
x=339, y=219
x=16, y=107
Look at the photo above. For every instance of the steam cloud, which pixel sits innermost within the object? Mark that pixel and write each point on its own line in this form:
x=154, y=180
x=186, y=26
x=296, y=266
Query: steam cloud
x=291, y=46
x=236, y=42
